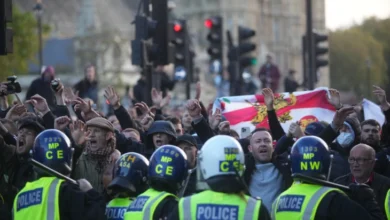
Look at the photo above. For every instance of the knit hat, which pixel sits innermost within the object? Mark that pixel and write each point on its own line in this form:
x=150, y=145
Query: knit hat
x=100, y=123
x=33, y=123
x=314, y=128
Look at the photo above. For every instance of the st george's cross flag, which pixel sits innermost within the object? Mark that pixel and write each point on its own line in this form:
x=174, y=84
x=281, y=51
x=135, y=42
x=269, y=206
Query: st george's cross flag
x=245, y=113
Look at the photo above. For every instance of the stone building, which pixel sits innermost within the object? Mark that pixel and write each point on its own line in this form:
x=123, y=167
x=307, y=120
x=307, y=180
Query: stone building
x=279, y=25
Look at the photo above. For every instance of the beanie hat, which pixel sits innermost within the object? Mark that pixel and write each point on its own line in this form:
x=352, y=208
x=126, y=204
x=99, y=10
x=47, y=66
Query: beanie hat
x=314, y=128
x=31, y=123
x=100, y=122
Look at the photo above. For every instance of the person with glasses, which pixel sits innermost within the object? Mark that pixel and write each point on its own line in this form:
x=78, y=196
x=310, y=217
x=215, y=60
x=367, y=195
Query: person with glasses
x=362, y=162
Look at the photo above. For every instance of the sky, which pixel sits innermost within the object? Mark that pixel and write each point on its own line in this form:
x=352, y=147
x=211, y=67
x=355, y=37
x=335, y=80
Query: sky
x=344, y=13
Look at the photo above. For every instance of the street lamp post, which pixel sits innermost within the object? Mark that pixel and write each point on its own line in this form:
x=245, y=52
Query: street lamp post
x=38, y=9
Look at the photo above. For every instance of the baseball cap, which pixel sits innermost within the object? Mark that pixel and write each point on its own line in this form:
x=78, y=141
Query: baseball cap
x=189, y=139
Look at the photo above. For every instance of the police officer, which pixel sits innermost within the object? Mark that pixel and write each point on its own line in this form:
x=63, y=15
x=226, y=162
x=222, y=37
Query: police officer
x=52, y=198
x=222, y=163
x=167, y=170
x=310, y=157
x=130, y=180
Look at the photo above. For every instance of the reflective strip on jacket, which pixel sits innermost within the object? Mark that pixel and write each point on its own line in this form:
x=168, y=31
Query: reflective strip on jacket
x=387, y=204
x=215, y=205
x=300, y=201
x=144, y=206
x=38, y=200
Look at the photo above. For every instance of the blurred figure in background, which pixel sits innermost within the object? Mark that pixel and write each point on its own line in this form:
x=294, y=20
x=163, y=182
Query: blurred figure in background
x=88, y=87
x=223, y=84
x=290, y=83
x=269, y=75
x=42, y=86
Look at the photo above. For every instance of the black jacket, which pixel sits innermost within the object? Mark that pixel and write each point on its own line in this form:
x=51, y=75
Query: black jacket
x=42, y=88
x=279, y=161
x=88, y=89
x=75, y=204
x=380, y=184
x=336, y=206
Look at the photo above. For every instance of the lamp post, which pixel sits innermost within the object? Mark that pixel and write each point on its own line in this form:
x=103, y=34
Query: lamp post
x=38, y=9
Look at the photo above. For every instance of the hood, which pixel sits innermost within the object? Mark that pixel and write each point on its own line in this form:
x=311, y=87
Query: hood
x=165, y=127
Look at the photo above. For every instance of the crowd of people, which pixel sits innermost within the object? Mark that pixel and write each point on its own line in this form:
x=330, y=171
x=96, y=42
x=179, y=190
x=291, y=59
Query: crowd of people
x=142, y=163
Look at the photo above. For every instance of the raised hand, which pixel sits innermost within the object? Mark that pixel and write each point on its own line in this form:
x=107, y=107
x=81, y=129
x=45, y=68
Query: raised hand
x=340, y=116
x=147, y=121
x=112, y=97
x=62, y=122
x=295, y=130
x=215, y=119
x=156, y=97
x=39, y=104
x=198, y=91
x=268, y=98
x=381, y=96
x=165, y=101
x=193, y=108
x=334, y=98
x=82, y=105
x=78, y=132
x=16, y=112
x=143, y=107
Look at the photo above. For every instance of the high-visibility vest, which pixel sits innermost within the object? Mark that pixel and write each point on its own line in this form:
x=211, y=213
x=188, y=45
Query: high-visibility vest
x=144, y=206
x=38, y=200
x=300, y=201
x=387, y=204
x=210, y=205
x=117, y=207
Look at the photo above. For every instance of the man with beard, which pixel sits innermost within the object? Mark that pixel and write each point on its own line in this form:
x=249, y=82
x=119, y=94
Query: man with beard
x=371, y=136
x=15, y=170
x=96, y=157
x=188, y=144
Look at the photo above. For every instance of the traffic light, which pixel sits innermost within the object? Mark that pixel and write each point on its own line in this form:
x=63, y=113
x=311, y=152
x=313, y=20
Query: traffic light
x=319, y=51
x=179, y=39
x=145, y=28
x=6, y=34
x=244, y=47
x=215, y=38
x=161, y=37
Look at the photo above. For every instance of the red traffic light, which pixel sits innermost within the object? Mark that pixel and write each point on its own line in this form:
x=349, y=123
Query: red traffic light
x=177, y=27
x=208, y=23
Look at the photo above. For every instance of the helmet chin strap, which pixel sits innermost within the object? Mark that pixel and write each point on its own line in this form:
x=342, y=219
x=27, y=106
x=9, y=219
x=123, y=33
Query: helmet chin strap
x=183, y=189
x=330, y=167
x=242, y=182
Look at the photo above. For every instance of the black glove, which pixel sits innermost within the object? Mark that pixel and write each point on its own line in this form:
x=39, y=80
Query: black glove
x=361, y=192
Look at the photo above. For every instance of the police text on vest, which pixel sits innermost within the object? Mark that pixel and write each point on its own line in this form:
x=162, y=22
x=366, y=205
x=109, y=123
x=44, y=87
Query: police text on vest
x=290, y=203
x=138, y=204
x=29, y=198
x=216, y=212
x=115, y=213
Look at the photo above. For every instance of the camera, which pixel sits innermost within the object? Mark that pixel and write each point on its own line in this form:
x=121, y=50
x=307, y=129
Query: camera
x=55, y=84
x=12, y=86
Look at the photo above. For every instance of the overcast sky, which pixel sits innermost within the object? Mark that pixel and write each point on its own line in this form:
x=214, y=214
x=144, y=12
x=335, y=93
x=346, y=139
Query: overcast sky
x=344, y=13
